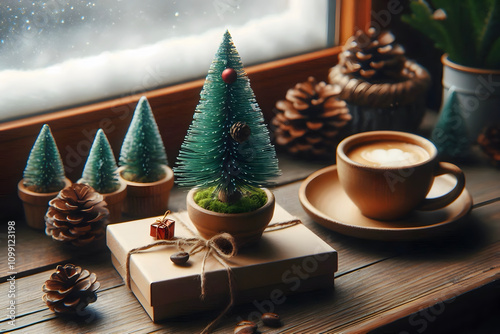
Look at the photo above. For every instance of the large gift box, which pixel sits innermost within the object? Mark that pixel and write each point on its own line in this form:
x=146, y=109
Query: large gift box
x=286, y=260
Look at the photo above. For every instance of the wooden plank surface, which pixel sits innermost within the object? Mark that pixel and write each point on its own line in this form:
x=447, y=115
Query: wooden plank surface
x=377, y=284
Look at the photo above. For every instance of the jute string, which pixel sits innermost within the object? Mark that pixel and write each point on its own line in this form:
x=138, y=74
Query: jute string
x=221, y=247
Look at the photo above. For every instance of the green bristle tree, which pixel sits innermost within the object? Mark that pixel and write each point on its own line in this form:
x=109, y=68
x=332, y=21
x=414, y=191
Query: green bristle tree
x=44, y=172
x=143, y=153
x=227, y=145
x=100, y=171
x=450, y=133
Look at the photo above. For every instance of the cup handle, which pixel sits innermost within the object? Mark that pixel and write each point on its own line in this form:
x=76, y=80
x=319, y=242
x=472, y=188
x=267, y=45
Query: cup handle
x=430, y=204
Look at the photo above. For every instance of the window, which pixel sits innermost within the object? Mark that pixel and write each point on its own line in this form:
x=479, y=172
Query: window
x=57, y=54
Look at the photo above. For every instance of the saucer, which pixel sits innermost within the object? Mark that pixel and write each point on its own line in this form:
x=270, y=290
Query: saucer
x=323, y=198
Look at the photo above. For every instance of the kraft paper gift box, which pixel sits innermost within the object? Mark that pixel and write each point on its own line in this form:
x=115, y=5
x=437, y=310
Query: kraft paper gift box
x=284, y=261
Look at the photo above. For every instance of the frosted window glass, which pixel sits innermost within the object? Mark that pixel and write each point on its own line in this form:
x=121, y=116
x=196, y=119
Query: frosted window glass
x=57, y=54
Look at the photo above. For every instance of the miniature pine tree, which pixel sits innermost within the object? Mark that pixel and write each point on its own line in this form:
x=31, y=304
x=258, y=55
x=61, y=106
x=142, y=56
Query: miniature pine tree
x=227, y=145
x=100, y=171
x=450, y=133
x=143, y=153
x=44, y=171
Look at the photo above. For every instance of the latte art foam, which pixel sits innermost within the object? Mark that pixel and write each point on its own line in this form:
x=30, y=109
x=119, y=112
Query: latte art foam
x=391, y=157
x=388, y=154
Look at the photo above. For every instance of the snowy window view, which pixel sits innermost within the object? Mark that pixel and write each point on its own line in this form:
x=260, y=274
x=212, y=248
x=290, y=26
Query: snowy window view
x=56, y=54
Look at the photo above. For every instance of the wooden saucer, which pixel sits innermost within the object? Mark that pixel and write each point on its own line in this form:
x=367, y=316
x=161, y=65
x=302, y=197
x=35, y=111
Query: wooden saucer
x=323, y=198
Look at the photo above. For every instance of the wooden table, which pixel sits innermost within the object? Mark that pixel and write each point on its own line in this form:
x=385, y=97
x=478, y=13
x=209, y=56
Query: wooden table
x=449, y=284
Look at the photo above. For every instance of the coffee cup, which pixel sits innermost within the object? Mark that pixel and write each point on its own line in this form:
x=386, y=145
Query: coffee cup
x=388, y=174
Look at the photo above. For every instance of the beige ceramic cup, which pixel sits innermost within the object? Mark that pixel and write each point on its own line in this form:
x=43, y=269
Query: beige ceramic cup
x=391, y=192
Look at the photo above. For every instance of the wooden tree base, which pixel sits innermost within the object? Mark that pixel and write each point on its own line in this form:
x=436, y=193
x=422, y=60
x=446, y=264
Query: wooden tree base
x=148, y=199
x=36, y=204
x=115, y=201
x=246, y=228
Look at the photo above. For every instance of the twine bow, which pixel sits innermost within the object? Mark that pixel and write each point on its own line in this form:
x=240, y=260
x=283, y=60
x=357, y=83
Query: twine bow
x=221, y=246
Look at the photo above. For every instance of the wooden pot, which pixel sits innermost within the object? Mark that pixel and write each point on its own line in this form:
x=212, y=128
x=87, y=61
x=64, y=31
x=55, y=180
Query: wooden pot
x=36, y=204
x=245, y=227
x=148, y=199
x=115, y=201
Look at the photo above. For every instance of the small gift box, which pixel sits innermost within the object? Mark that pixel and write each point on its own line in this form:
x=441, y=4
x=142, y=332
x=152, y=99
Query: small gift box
x=285, y=261
x=163, y=229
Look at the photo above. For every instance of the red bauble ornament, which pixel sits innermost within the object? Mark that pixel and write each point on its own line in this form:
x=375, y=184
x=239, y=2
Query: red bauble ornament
x=229, y=75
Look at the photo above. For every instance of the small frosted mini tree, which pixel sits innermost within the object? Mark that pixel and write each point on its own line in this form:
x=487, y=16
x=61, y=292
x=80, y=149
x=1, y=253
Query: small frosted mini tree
x=450, y=133
x=143, y=153
x=44, y=171
x=227, y=145
x=100, y=171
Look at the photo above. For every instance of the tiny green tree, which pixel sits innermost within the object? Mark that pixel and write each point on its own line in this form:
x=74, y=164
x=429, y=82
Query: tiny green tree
x=227, y=145
x=450, y=133
x=100, y=171
x=143, y=154
x=44, y=172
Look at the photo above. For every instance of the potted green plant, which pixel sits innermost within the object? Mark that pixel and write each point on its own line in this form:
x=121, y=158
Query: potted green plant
x=144, y=166
x=43, y=178
x=101, y=173
x=227, y=155
x=467, y=31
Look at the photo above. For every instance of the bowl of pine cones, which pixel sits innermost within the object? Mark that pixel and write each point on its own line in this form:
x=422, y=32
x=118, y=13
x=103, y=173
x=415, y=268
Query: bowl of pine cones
x=383, y=89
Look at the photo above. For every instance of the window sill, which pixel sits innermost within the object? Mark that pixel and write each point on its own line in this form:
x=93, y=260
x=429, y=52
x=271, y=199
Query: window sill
x=74, y=129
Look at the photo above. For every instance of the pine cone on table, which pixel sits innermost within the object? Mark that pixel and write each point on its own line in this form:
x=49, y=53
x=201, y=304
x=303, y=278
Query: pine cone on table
x=489, y=140
x=70, y=289
x=77, y=215
x=310, y=122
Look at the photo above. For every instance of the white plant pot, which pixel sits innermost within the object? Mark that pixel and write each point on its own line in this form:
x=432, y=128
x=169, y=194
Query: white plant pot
x=478, y=93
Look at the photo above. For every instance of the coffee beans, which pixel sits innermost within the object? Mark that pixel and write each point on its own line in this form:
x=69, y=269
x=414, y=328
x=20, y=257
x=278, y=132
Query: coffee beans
x=179, y=257
x=271, y=319
x=246, y=327
x=249, y=327
x=244, y=330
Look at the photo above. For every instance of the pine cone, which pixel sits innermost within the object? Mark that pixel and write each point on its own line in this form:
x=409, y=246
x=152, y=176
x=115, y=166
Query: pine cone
x=374, y=72
x=77, y=215
x=310, y=121
x=70, y=289
x=240, y=131
x=372, y=56
x=489, y=140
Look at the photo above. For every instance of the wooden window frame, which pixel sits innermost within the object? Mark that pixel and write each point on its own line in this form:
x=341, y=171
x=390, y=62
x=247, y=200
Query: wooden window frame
x=74, y=129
